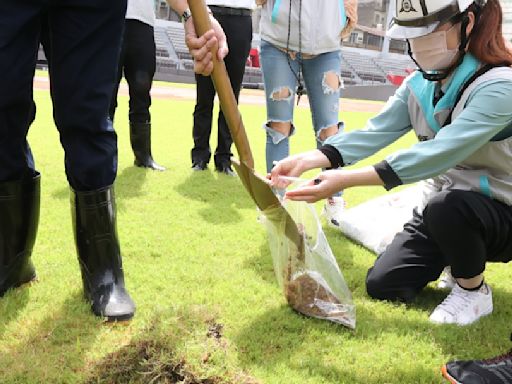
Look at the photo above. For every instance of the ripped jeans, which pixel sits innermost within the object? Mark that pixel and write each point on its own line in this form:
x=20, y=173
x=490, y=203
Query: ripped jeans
x=322, y=80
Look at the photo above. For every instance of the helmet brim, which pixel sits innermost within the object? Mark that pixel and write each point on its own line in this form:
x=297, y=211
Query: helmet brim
x=402, y=32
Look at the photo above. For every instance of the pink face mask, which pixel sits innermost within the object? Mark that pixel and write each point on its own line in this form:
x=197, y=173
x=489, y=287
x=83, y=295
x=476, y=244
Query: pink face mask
x=431, y=51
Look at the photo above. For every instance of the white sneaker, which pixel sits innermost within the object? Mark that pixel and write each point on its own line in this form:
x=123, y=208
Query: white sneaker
x=446, y=281
x=463, y=307
x=333, y=210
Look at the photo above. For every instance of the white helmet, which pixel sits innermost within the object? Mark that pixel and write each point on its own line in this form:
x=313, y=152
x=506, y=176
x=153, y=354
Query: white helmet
x=415, y=18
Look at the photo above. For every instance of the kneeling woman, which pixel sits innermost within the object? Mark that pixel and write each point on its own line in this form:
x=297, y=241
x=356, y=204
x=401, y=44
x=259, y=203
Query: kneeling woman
x=459, y=105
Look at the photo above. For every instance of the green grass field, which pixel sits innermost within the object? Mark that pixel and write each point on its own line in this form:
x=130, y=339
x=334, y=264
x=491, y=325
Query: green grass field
x=197, y=264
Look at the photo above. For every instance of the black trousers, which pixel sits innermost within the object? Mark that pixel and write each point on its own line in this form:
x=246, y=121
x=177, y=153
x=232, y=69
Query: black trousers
x=85, y=38
x=238, y=31
x=460, y=229
x=138, y=63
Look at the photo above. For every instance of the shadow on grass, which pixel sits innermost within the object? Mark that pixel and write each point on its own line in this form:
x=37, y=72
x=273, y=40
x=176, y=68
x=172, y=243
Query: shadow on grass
x=336, y=373
x=262, y=264
x=275, y=337
x=62, y=193
x=224, y=196
x=281, y=337
x=129, y=182
x=54, y=349
x=11, y=304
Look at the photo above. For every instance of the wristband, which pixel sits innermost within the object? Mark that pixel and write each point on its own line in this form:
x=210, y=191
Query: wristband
x=185, y=15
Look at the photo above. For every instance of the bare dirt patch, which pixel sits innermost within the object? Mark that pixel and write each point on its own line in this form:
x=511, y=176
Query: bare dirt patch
x=145, y=362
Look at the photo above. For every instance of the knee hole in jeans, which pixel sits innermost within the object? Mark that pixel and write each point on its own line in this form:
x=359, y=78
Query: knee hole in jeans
x=331, y=82
x=324, y=133
x=283, y=127
x=281, y=94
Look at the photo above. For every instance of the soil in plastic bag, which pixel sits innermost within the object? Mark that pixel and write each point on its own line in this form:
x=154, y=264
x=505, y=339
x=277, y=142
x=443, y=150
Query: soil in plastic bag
x=308, y=273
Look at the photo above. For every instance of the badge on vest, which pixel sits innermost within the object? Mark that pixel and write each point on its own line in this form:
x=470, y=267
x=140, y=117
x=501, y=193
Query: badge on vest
x=407, y=6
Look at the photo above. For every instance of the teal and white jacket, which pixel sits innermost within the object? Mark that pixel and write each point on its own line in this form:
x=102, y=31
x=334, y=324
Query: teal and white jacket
x=473, y=152
x=321, y=24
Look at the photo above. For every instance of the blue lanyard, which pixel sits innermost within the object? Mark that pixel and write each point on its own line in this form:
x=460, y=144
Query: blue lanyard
x=343, y=14
x=275, y=10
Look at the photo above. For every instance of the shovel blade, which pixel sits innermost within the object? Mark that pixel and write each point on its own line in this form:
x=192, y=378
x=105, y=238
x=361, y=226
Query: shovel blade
x=257, y=186
x=262, y=194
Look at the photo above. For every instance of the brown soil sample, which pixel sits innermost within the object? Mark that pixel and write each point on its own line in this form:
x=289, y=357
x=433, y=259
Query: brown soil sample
x=305, y=292
x=308, y=293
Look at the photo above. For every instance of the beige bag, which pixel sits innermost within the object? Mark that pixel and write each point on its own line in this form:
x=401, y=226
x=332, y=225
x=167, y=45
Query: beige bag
x=261, y=2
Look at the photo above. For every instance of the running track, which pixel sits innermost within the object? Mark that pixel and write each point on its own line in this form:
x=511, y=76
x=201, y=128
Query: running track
x=247, y=96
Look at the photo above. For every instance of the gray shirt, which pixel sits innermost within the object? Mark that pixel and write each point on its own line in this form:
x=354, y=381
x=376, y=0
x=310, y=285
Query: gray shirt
x=321, y=24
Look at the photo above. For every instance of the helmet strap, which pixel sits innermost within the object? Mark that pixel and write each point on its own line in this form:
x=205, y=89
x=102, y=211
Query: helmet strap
x=437, y=76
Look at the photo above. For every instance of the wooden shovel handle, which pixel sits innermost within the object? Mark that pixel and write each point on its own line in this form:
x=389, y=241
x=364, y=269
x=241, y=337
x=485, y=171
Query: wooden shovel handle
x=223, y=87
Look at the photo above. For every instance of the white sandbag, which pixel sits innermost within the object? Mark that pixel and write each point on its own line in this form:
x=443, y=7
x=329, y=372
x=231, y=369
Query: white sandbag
x=375, y=222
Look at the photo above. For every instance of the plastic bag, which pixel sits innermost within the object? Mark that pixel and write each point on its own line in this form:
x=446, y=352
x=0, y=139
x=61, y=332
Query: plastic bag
x=310, y=278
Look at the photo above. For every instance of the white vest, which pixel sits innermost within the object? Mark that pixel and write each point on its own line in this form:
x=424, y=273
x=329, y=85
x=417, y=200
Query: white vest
x=489, y=169
x=321, y=24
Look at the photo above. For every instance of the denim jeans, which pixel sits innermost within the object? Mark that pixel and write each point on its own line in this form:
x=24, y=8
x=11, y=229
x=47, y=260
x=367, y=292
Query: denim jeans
x=323, y=98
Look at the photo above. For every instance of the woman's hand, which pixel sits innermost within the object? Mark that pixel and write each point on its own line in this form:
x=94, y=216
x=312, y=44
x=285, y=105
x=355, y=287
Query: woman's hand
x=200, y=47
x=296, y=165
x=329, y=182
x=324, y=185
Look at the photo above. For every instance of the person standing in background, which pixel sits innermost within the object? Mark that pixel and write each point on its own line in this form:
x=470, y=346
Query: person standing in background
x=301, y=40
x=138, y=64
x=235, y=18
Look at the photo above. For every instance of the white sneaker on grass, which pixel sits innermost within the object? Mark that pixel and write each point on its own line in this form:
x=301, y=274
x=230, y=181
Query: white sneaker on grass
x=446, y=280
x=333, y=210
x=463, y=307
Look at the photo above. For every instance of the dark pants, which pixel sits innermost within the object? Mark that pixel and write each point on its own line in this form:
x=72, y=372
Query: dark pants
x=85, y=38
x=460, y=229
x=238, y=31
x=138, y=63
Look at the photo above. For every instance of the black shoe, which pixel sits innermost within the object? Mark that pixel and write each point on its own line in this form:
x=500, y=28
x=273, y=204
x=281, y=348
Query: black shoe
x=140, y=139
x=226, y=169
x=149, y=163
x=497, y=370
x=199, y=165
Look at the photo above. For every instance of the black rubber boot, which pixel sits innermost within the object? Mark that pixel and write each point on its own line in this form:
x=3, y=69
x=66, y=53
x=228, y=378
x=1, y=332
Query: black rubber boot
x=94, y=224
x=19, y=218
x=140, y=138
